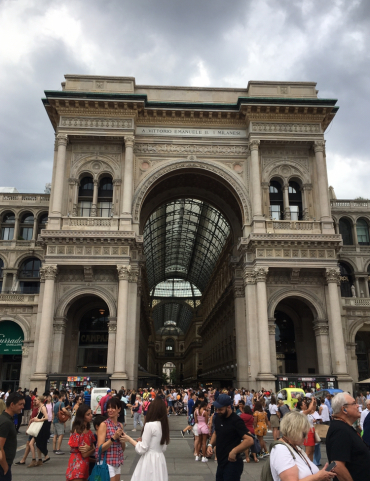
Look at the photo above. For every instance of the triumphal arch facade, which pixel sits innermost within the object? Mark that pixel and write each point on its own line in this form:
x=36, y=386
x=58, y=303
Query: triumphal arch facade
x=188, y=229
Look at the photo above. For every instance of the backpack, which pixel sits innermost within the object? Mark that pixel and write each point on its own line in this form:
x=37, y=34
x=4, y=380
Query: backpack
x=61, y=415
x=266, y=474
x=105, y=406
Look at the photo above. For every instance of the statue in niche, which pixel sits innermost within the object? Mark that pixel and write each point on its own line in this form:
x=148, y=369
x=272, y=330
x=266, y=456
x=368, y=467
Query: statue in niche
x=353, y=290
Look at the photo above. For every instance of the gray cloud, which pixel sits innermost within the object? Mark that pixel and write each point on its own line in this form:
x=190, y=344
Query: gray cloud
x=163, y=42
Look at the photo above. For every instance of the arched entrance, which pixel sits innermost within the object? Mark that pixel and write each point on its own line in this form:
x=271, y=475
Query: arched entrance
x=190, y=220
x=11, y=341
x=362, y=341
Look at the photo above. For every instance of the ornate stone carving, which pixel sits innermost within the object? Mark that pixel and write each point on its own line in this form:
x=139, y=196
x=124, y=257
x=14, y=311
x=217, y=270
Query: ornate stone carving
x=333, y=275
x=230, y=177
x=294, y=276
x=62, y=139
x=254, y=144
x=319, y=146
x=25, y=351
x=72, y=275
x=88, y=274
x=73, y=181
x=249, y=277
x=321, y=328
x=129, y=141
x=261, y=273
x=239, y=288
x=124, y=272
x=191, y=149
x=95, y=123
x=112, y=326
x=133, y=276
x=75, y=210
x=271, y=127
x=48, y=272
x=272, y=328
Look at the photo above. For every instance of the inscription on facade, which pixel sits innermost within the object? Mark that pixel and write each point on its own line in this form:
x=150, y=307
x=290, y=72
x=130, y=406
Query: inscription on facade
x=178, y=132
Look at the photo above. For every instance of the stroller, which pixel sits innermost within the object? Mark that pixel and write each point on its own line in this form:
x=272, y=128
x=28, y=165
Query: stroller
x=179, y=408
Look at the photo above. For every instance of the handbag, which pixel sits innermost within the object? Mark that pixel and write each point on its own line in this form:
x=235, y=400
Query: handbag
x=62, y=416
x=257, y=445
x=317, y=437
x=322, y=430
x=34, y=428
x=100, y=471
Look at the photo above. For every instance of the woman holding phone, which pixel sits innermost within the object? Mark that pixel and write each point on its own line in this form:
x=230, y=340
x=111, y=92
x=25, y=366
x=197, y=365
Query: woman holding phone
x=111, y=439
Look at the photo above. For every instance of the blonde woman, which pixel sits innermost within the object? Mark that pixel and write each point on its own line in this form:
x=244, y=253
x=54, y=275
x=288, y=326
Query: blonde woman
x=42, y=438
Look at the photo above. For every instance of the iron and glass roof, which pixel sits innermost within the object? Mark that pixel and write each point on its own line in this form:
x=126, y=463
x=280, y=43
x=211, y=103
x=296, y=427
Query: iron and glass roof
x=180, y=314
x=182, y=241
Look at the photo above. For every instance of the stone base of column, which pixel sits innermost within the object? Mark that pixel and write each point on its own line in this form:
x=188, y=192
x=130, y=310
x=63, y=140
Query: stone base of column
x=345, y=382
x=259, y=224
x=125, y=222
x=118, y=379
x=38, y=380
x=54, y=222
x=243, y=382
x=265, y=380
x=327, y=225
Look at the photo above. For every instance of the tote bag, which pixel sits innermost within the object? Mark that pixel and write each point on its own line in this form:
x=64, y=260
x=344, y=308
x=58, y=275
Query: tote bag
x=100, y=471
x=34, y=428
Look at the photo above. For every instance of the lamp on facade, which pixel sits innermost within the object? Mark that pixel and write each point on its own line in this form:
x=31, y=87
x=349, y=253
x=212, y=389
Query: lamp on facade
x=101, y=312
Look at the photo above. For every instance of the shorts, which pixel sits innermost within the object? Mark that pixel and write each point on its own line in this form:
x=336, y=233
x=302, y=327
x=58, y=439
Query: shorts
x=29, y=438
x=310, y=440
x=113, y=470
x=59, y=429
x=203, y=429
x=274, y=421
x=195, y=429
x=170, y=403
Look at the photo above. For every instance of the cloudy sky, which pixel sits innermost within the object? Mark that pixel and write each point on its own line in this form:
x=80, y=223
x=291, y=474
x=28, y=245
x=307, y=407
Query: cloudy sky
x=174, y=42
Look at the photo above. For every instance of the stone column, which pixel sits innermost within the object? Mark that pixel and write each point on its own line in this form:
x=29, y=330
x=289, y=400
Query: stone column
x=241, y=334
x=94, y=206
x=112, y=329
x=17, y=227
x=255, y=180
x=357, y=285
x=265, y=373
x=252, y=327
x=128, y=176
x=34, y=231
x=116, y=196
x=306, y=188
x=58, y=344
x=321, y=329
x=366, y=281
x=322, y=181
x=272, y=330
x=132, y=342
x=56, y=208
x=74, y=183
x=286, y=202
x=120, y=368
x=49, y=273
x=336, y=331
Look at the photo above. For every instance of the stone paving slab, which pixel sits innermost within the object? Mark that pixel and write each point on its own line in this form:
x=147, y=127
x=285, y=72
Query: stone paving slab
x=179, y=456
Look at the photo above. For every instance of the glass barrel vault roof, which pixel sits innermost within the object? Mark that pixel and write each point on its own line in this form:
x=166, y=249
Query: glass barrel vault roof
x=182, y=242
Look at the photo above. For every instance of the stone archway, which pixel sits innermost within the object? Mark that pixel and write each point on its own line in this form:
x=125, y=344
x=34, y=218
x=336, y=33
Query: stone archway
x=234, y=184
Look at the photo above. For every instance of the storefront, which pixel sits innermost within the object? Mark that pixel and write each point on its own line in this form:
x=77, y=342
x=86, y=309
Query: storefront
x=11, y=341
x=317, y=383
x=76, y=381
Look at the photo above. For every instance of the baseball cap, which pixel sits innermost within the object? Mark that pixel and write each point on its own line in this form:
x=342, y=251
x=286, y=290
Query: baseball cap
x=109, y=390
x=223, y=400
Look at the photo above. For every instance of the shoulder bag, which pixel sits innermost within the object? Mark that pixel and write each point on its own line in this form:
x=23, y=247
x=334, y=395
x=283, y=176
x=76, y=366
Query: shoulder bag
x=100, y=471
x=34, y=428
x=62, y=416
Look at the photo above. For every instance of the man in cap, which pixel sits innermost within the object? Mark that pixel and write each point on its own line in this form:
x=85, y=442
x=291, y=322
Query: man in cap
x=231, y=438
x=103, y=401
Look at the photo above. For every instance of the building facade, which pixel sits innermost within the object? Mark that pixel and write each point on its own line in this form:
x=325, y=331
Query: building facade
x=189, y=231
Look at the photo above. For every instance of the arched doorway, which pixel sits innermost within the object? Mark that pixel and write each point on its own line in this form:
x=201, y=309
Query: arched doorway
x=286, y=353
x=362, y=341
x=168, y=372
x=190, y=222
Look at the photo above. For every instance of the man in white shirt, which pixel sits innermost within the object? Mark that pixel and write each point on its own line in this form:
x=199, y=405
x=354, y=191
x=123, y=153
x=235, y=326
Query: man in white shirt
x=237, y=397
x=368, y=395
x=364, y=413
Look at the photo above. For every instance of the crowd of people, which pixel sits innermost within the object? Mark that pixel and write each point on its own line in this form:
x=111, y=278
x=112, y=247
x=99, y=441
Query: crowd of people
x=227, y=425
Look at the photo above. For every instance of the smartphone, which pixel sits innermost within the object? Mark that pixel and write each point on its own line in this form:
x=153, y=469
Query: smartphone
x=331, y=466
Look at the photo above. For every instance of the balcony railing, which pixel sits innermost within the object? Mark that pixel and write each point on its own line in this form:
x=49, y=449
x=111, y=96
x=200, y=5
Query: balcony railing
x=349, y=204
x=25, y=198
x=310, y=227
x=18, y=297
x=356, y=301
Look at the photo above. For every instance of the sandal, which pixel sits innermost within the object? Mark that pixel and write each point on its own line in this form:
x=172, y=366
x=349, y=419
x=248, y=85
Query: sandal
x=19, y=463
x=46, y=460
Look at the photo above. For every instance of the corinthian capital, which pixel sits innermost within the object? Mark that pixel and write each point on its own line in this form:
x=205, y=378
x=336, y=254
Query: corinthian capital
x=261, y=273
x=134, y=276
x=129, y=141
x=123, y=272
x=249, y=277
x=62, y=139
x=332, y=274
x=319, y=145
x=48, y=272
x=254, y=144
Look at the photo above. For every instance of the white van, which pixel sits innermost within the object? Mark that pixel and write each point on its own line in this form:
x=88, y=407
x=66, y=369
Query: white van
x=96, y=394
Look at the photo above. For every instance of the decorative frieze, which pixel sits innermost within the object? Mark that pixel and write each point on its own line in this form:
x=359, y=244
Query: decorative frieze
x=295, y=253
x=283, y=127
x=95, y=123
x=89, y=221
x=186, y=149
x=87, y=250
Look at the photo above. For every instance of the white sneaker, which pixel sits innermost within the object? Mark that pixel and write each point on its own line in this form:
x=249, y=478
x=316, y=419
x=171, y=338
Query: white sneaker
x=204, y=460
x=133, y=429
x=197, y=458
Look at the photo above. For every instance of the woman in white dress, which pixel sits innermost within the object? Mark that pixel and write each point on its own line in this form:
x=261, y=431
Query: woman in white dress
x=154, y=441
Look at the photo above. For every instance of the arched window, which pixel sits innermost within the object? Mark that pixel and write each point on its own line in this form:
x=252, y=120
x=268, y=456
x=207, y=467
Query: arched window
x=285, y=342
x=29, y=276
x=346, y=280
x=276, y=200
x=362, y=229
x=85, y=196
x=345, y=229
x=170, y=347
x=295, y=201
x=93, y=341
x=1, y=273
x=26, y=227
x=43, y=220
x=7, y=226
x=105, y=196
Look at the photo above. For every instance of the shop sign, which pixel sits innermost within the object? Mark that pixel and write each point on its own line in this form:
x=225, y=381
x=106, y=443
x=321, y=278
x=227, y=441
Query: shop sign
x=89, y=338
x=11, y=338
x=283, y=378
x=330, y=379
x=307, y=379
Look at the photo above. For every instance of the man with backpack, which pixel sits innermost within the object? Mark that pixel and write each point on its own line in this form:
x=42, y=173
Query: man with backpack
x=103, y=403
x=61, y=415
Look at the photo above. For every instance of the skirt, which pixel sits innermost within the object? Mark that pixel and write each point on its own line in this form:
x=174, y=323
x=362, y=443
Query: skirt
x=274, y=420
x=310, y=440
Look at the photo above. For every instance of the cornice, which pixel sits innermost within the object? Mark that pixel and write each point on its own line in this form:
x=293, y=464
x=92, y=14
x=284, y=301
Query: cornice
x=253, y=241
x=93, y=237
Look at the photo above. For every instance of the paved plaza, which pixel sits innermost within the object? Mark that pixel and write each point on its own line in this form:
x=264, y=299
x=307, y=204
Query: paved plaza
x=179, y=456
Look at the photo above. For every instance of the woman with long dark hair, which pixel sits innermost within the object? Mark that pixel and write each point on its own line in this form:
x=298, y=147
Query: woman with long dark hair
x=78, y=465
x=155, y=438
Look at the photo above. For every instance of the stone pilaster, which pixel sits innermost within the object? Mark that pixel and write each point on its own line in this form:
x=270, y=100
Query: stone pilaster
x=128, y=177
x=112, y=331
x=56, y=207
x=241, y=333
x=323, y=188
x=251, y=325
x=321, y=329
x=58, y=344
x=256, y=180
